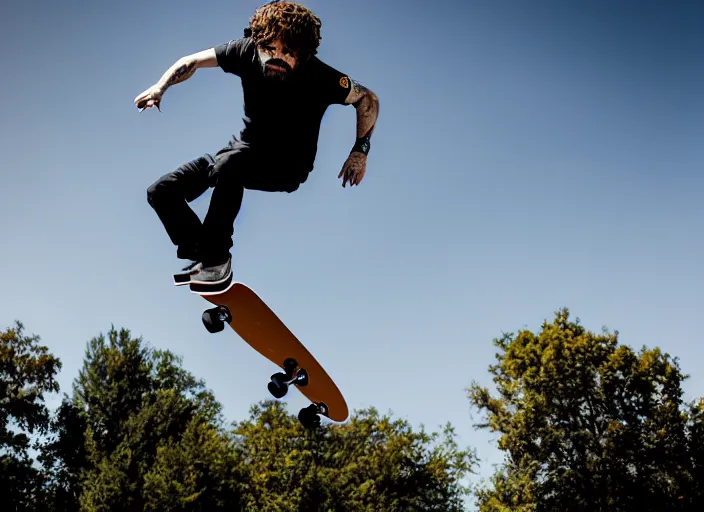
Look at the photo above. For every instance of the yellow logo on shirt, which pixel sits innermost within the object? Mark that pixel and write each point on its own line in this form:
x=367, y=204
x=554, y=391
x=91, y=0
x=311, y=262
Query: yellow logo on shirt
x=344, y=82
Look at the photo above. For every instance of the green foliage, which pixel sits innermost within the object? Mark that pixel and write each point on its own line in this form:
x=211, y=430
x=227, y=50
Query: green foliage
x=588, y=425
x=142, y=410
x=151, y=439
x=201, y=472
x=121, y=376
x=27, y=372
x=63, y=457
x=370, y=463
x=693, y=480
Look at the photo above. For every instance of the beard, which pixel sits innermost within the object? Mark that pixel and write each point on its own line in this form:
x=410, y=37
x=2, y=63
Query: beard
x=275, y=73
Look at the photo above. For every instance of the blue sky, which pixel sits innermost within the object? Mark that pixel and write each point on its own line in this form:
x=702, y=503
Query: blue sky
x=528, y=156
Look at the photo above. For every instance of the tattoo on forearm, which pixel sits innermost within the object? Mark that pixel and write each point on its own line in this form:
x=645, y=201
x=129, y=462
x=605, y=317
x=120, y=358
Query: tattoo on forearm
x=181, y=73
x=367, y=110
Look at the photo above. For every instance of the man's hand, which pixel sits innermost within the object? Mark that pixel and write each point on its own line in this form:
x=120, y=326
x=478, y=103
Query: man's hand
x=181, y=70
x=149, y=98
x=354, y=168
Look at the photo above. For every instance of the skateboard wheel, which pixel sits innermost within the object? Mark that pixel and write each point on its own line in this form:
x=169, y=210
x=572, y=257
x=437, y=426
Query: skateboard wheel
x=276, y=391
x=278, y=386
x=212, y=321
x=308, y=417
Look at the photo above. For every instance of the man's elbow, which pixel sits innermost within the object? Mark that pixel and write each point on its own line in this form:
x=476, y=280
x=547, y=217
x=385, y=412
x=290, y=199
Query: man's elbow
x=201, y=59
x=368, y=98
x=371, y=95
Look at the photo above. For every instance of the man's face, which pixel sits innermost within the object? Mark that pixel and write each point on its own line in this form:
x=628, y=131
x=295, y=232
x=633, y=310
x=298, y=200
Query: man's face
x=278, y=60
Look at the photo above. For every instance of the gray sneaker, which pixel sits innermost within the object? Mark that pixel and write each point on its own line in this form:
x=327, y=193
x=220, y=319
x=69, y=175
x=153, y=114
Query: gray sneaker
x=214, y=274
x=184, y=277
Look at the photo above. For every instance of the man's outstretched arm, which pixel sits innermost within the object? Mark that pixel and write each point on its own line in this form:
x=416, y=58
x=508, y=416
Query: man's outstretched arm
x=366, y=103
x=183, y=69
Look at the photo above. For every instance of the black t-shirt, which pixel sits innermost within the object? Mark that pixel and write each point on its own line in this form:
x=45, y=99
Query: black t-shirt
x=283, y=116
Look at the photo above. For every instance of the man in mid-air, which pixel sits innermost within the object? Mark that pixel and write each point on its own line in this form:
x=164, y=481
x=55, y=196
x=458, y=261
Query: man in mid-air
x=286, y=91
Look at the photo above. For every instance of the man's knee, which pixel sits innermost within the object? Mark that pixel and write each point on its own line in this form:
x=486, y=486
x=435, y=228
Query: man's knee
x=165, y=188
x=295, y=181
x=291, y=186
x=156, y=191
x=153, y=193
x=187, y=182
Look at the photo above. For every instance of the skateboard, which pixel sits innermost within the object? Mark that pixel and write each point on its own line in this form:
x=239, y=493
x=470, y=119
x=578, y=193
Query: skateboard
x=248, y=315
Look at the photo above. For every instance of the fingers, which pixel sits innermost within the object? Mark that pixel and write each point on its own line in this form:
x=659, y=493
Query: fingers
x=352, y=172
x=142, y=102
x=141, y=99
x=358, y=177
x=148, y=99
x=352, y=175
x=344, y=174
x=148, y=103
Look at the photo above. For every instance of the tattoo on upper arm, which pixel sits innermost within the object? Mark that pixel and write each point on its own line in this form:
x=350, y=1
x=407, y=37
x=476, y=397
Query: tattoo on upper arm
x=358, y=88
x=359, y=91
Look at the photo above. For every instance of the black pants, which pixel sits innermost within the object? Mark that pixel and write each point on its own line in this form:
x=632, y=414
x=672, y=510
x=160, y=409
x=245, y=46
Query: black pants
x=234, y=168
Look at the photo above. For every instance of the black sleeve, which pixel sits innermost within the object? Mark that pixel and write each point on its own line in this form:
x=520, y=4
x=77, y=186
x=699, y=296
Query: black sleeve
x=333, y=85
x=233, y=56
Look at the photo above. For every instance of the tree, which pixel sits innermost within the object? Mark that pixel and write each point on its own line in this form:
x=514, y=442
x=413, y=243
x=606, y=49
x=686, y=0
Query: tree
x=64, y=459
x=141, y=433
x=370, y=463
x=201, y=472
x=589, y=425
x=27, y=372
x=695, y=450
x=135, y=416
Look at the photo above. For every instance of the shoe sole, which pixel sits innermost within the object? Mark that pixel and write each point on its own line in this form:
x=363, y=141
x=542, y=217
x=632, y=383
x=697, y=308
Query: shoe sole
x=213, y=282
x=211, y=286
x=181, y=279
x=184, y=277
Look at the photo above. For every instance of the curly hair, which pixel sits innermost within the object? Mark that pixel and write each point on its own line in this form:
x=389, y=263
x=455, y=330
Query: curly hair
x=298, y=27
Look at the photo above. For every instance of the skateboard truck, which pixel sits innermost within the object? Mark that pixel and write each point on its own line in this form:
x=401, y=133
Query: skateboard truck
x=281, y=381
x=308, y=416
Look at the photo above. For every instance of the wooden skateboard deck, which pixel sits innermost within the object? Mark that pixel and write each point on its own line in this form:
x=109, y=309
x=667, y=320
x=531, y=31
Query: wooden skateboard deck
x=262, y=329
